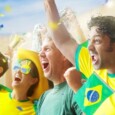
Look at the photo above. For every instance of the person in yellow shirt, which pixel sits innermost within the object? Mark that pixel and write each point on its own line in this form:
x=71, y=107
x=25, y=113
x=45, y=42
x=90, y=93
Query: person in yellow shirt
x=28, y=84
x=96, y=62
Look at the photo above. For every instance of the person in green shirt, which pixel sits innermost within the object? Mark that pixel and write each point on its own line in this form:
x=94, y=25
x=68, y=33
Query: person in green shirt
x=58, y=100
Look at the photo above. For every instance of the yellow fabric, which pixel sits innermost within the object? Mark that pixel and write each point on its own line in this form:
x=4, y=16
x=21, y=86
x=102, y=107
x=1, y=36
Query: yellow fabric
x=84, y=64
x=86, y=67
x=34, y=57
x=107, y=107
x=54, y=25
x=9, y=106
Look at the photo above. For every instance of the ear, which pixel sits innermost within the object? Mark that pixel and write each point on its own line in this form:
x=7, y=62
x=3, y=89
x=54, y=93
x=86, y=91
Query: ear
x=34, y=80
x=1, y=70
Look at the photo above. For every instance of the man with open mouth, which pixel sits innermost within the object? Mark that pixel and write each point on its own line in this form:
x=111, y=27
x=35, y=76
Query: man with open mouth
x=59, y=100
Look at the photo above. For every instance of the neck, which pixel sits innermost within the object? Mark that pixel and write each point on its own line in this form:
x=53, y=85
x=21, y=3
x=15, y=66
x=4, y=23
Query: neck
x=111, y=71
x=60, y=76
x=58, y=81
x=19, y=95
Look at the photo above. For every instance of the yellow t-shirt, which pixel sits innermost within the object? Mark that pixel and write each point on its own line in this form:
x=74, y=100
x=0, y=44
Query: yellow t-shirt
x=9, y=106
x=84, y=64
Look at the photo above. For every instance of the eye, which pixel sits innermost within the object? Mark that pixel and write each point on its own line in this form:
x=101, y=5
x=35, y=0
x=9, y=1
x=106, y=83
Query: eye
x=16, y=68
x=47, y=49
x=97, y=41
x=88, y=40
x=25, y=70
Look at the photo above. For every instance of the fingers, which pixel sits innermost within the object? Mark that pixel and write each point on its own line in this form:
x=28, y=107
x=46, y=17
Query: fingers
x=73, y=78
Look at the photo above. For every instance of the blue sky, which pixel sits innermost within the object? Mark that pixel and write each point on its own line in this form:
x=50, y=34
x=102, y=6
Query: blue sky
x=25, y=14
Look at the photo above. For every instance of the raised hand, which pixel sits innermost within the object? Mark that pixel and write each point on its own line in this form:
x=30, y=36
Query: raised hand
x=73, y=78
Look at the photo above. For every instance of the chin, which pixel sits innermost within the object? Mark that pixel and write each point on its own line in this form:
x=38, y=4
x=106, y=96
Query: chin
x=46, y=75
x=96, y=67
x=15, y=85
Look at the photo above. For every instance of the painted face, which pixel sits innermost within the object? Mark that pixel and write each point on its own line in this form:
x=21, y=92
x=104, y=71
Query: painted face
x=100, y=49
x=24, y=66
x=22, y=76
x=52, y=60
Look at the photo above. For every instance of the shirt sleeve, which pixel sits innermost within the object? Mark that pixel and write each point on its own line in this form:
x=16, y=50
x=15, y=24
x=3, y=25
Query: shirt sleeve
x=83, y=61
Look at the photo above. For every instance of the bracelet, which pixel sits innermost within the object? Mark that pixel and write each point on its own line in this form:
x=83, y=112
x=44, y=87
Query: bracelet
x=54, y=25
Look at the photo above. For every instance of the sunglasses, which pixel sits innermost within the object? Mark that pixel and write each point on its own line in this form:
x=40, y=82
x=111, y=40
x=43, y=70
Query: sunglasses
x=23, y=67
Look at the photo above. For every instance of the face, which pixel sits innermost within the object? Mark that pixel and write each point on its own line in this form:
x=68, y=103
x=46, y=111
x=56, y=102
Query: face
x=22, y=78
x=52, y=60
x=100, y=50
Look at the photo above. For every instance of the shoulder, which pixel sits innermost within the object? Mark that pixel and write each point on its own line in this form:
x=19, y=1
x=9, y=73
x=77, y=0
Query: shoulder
x=68, y=92
x=4, y=88
x=42, y=97
x=41, y=100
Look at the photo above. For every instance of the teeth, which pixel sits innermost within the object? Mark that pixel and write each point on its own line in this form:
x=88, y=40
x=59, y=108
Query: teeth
x=43, y=62
x=44, y=65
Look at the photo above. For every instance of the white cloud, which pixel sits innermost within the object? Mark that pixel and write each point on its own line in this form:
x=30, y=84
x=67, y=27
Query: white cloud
x=26, y=13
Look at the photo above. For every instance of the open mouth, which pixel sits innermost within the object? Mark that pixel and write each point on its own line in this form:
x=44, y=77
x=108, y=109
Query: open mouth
x=17, y=78
x=45, y=65
x=94, y=59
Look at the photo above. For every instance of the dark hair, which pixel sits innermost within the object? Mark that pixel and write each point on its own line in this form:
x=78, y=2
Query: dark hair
x=3, y=63
x=105, y=24
x=35, y=74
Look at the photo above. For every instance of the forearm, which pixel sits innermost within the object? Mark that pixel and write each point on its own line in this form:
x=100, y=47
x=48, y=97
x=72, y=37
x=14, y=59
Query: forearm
x=53, y=17
x=60, y=34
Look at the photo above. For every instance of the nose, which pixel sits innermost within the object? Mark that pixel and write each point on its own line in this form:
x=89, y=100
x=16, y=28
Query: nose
x=91, y=46
x=42, y=54
x=18, y=71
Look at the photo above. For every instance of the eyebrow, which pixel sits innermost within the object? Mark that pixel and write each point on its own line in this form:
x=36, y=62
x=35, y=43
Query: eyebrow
x=97, y=35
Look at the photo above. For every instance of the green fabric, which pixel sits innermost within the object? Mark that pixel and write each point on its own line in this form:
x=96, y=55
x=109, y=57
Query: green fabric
x=77, y=57
x=92, y=94
x=84, y=64
x=18, y=100
x=35, y=104
x=111, y=75
x=4, y=88
x=85, y=44
x=58, y=101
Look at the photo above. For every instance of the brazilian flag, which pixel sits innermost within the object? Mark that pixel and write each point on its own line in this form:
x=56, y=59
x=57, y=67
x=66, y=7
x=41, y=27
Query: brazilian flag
x=92, y=94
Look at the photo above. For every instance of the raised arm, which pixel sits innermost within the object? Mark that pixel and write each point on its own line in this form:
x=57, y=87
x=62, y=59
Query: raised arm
x=61, y=36
x=73, y=78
